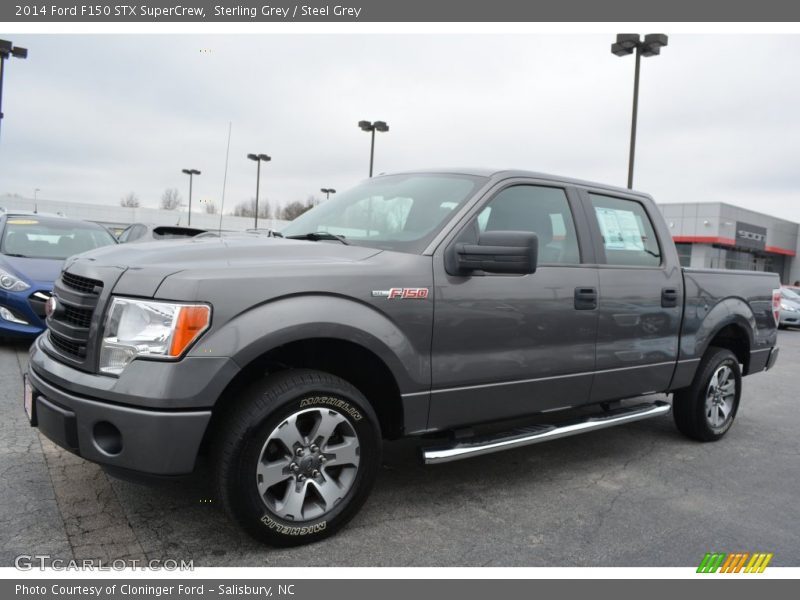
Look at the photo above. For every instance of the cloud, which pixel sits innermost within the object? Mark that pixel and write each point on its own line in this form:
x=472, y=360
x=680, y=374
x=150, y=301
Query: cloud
x=90, y=118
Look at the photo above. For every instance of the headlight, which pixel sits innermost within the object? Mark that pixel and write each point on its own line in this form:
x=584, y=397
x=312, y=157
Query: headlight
x=10, y=283
x=148, y=328
x=788, y=307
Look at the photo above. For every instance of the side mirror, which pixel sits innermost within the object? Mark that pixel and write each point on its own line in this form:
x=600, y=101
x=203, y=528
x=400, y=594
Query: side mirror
x=513, y=252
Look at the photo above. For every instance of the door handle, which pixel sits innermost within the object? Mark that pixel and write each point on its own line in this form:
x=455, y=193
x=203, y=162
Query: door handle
x=669, y=297
x=585, y=298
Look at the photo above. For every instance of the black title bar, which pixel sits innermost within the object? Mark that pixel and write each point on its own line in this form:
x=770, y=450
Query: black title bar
x=100, y=11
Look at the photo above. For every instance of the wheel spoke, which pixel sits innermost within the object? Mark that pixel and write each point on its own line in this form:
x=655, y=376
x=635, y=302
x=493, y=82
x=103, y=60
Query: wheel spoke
x=293, y=500
x=325, y=426
x=728, y=388
x=724, y=409
x=288, y=433
x=329, y=491
x=345, y=453
x=271, y=473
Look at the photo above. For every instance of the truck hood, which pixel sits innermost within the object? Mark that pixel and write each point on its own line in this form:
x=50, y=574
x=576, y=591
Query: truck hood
x=250, y=251
x=145, y=266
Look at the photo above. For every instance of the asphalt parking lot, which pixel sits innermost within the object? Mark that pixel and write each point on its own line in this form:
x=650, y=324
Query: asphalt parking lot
x=635, y=495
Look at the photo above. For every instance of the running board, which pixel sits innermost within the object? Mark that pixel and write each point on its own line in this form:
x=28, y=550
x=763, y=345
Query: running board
x=535, y=434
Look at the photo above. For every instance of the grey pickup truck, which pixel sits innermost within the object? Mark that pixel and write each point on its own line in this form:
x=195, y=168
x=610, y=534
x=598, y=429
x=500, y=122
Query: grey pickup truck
x=475, y=310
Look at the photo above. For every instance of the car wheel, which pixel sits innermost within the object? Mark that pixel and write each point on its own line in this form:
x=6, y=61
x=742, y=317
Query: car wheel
x=296, y=457
x=705, y=411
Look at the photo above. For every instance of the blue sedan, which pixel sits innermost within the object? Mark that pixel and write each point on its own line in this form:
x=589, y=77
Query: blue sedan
x=33, y=249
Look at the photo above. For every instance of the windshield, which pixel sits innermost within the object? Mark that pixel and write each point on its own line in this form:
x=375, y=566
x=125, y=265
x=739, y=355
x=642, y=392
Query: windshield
x=791, y=295
x=395, y=212
x=31, y=237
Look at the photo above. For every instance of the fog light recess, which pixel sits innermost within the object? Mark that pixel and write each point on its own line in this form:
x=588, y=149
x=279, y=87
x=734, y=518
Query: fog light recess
x=107, y=438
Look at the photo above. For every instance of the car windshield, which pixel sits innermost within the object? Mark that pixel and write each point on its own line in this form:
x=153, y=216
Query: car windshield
x=393, y=212
x=33, y=237
x=791, y=295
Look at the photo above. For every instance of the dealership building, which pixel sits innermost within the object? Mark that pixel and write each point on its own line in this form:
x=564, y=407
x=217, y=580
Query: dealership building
x=722, y=236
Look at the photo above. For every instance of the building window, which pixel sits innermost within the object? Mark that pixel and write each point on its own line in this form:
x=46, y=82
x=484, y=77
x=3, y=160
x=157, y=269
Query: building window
x=684, y=254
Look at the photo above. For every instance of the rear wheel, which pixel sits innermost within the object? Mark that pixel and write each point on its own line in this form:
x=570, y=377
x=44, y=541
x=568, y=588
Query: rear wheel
x=297, y=456
x=705, y=411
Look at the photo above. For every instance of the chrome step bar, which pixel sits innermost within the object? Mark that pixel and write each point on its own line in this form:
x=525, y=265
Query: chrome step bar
x=535, y=434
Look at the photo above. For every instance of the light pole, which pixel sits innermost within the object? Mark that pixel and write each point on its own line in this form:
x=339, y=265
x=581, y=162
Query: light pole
x=372, y=128
x=626, y=44
x=258, y=158
x=36, y=194
x=327, y=192
x=191, y=173
x=7, y=50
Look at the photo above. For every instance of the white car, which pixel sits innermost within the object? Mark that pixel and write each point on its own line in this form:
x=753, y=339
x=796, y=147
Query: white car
x=790, y=308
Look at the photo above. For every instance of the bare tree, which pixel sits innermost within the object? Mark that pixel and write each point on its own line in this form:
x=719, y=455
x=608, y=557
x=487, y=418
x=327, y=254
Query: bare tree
x=170, y=199
x=131, y=200
x=247, y=208
x=210, y=206
x=294, y=209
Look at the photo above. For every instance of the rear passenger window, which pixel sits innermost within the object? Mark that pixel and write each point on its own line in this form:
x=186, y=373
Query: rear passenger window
x=628, y=235
x=542, y=210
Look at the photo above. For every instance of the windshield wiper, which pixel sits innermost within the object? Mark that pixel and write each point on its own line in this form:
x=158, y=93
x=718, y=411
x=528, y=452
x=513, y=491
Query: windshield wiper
x=16, y=255
x=315, y=236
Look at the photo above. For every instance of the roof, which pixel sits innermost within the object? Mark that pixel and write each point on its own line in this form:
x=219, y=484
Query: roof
x=500, y=174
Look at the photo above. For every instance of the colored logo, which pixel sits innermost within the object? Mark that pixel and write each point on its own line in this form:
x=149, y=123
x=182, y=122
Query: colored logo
x=736, y=562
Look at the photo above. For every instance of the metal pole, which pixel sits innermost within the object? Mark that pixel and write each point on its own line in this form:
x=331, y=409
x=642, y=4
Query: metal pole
x=190, y=199
x=2, y=65
x=372, y=151
x=633, y=118
x=258, y=183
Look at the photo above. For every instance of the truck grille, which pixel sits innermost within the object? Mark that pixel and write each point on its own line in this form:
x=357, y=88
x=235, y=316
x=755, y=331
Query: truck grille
x=67, y=346
x=82, y=284
x=80, y=317
x=69, y=326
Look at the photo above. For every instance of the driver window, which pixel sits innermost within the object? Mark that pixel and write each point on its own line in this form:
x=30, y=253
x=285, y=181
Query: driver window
x=542, y=210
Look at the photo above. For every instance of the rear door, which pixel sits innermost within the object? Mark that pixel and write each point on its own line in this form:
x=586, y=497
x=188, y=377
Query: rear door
x=641, y=296
x=510, y=345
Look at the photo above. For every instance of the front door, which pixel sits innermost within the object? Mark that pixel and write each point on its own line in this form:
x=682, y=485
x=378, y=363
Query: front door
x=510, y=345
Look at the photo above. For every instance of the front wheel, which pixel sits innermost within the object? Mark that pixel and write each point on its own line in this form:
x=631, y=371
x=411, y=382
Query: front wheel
x=297, y=456
x=705, y=411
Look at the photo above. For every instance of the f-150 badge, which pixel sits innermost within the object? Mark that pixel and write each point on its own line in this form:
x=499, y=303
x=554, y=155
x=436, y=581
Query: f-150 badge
x=404, y=293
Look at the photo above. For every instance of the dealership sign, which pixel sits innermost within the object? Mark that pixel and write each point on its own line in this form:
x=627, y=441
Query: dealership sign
x=751, y=236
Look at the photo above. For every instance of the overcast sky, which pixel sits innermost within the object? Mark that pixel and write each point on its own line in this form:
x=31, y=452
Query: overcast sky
x=91, y=118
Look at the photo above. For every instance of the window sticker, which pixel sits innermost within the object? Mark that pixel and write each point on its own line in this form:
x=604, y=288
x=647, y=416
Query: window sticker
x=620, y=228
x=22, y=222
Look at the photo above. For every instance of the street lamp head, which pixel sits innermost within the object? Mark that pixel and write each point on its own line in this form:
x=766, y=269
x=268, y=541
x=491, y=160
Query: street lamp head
x=620, y=50
x=19, y=52
x=187, y=171
x=628, y=40
x=264, y=157
x=365, y=125
x=195, y=172
x=252, y=156
x=381, y=126
x=656, y=39
x=5, y=48
x=653, y=42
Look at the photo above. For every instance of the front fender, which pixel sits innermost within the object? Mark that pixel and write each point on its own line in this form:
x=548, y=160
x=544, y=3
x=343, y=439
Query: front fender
x=267, y=326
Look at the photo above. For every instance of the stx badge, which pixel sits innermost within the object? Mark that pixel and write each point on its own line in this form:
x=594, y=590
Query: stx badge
x=404, y=293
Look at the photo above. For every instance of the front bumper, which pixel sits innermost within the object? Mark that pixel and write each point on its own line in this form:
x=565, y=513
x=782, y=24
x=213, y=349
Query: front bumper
x=119, y=430
x=790, y=318
x=19, y=304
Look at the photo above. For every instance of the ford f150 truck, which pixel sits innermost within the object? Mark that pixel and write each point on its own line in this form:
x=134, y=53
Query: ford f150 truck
x=477, y=310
